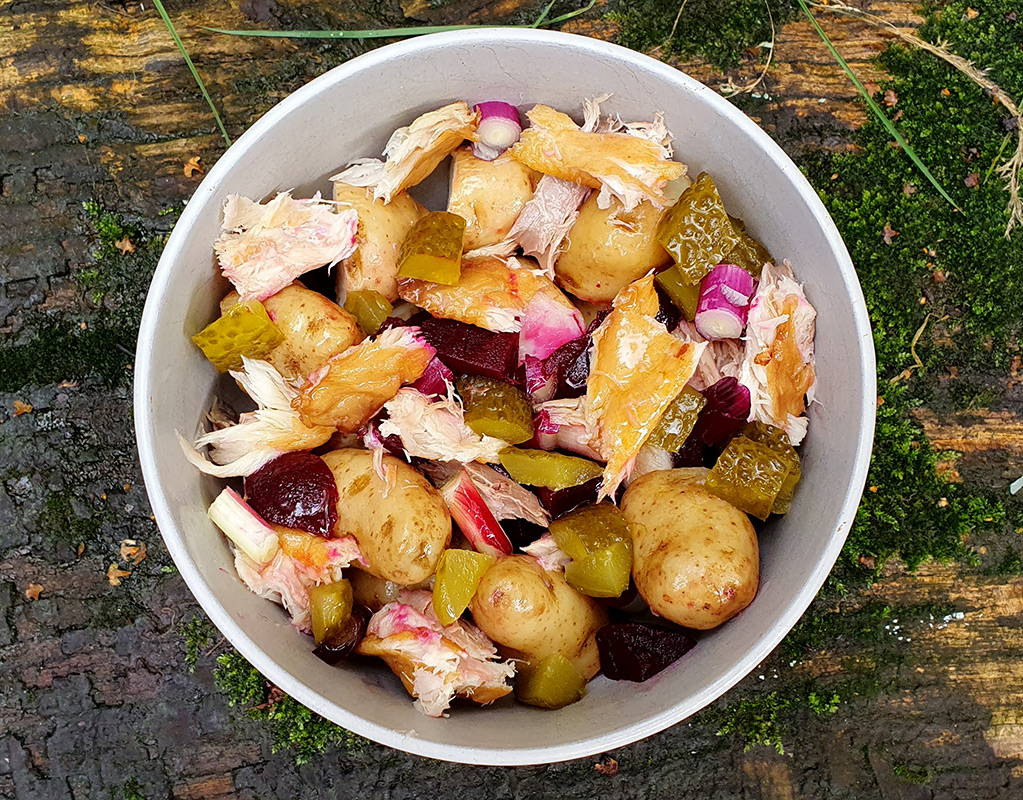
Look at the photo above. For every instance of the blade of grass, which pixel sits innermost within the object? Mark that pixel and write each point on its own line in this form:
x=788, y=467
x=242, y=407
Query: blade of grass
x=876, y=109
x=395, y=33
x=572, y=14
x=191, y=67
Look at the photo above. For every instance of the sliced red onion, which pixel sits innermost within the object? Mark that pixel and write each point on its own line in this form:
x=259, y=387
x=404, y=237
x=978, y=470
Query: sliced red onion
x=546, y=431
x=499, y=129
x=540, y=386
x=546, y=326
x=724, y=302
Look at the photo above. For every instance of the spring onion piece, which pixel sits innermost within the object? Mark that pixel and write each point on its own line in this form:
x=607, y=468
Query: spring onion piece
x=499, y=129
x=724, y=302
x=244, y=527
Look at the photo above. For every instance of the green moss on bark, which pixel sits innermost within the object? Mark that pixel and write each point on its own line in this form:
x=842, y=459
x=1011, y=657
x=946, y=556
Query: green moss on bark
x=719, y=31
x=293, y=726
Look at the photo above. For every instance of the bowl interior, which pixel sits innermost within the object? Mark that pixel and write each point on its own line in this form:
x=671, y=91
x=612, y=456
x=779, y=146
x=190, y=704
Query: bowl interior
x=350, y=112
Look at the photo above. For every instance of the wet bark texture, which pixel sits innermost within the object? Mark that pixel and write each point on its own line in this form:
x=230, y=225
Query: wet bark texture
x=95, y=697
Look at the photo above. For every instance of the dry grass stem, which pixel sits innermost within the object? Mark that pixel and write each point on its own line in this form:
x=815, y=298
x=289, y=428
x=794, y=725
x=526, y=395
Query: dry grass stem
x=730, y=89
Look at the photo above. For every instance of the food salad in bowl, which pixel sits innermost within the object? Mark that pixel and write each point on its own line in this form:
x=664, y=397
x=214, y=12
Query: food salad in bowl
x=517, y=436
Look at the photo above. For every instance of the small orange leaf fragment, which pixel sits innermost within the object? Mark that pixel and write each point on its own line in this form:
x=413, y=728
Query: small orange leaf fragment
x=81, y=549
x=33, y=591
x=133, y=551
x=125, y=246
x=192, y=165
x=21, y=408
x=115, y=573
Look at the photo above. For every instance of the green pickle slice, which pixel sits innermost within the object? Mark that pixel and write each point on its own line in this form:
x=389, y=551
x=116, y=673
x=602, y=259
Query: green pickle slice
x=598, y=540
x=330, y=606
x=677, y=422
x=603, y=573
x=748, y=253
x=697, y=231
x=552, y=470
x=749, y=475
x=553, y=682
x=495, y=408
x=369, y=308
x=776, y=439
x=432, y=249
x=459, y=573
x=685, y=296
x=245, y=330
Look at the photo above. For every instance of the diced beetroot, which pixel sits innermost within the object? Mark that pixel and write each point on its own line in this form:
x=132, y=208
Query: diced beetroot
x=546, y=325
x=296, y=490
x=474, y=517
x=636, y=651
x=343, y=643
x=560, y=501
x=468, y=350
x=667, y=311
x=434, y=381
x=566, y=369
x=725, y=414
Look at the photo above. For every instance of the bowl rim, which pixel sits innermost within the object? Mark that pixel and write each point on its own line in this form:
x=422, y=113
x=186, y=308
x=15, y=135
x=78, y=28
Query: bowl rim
x=145, y=424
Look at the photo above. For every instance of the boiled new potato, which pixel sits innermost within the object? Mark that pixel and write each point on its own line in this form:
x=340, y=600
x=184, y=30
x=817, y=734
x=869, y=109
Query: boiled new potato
x=401, y=530
x=609, y=249
x=488, y=194
x=695, y=556
x=314, y=329
x=531, y=613
x=374, y=264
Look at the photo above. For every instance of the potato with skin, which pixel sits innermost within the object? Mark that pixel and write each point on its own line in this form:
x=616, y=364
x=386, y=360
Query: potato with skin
x=314, y=329
x=402, y=529
x=610, y=248
x=531, y=613
x=382, y=227
x=695, y=556
x=488, y=195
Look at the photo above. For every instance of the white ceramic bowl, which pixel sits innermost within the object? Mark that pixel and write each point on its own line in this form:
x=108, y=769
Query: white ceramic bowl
x=350, y=112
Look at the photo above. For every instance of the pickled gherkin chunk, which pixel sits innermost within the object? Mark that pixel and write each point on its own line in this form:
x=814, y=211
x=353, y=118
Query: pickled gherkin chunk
x=748, y=253
x=369, y=308
x=677, y=422
x=458, y=575
x=697, y=231
x=749, y=475
x=685, y=296
x=776, y=439
x=598, y=540
x=553, y=682
x=589, y=529
x=245, y=330
x=602, y=573
x=432, y=249
x=495, y=408
x=551, y=470
x=330, y=606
